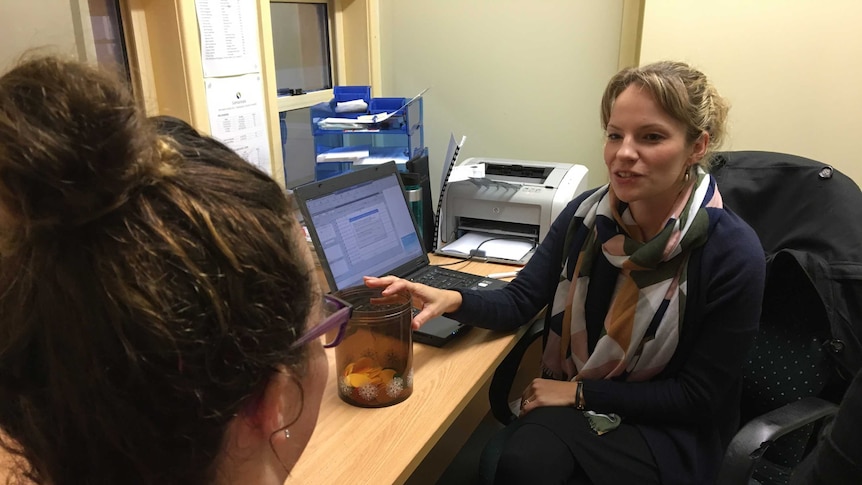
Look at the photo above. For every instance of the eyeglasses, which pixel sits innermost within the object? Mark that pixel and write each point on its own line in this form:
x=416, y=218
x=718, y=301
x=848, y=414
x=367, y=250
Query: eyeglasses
x=332, y=327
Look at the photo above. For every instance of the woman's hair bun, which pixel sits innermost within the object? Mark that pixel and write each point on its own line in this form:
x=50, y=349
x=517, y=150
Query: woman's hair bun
x=72, y=146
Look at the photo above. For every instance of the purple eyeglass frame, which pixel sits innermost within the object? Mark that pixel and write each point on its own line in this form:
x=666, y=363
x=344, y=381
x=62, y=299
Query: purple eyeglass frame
x=338, y=318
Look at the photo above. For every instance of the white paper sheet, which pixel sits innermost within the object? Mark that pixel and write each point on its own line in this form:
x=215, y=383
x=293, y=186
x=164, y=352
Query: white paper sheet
x=494, y=245
x=344, y=154
x=464, y=172
x=352, y=106
x=238, y=117
x=228, y=30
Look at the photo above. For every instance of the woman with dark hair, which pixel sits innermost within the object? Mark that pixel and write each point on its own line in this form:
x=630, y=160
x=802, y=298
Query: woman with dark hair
x=154, y=293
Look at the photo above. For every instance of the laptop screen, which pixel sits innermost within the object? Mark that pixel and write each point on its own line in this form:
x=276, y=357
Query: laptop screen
x=362, y=229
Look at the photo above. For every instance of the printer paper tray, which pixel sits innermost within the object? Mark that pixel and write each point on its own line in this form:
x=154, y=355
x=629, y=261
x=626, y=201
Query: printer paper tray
x=499, y=247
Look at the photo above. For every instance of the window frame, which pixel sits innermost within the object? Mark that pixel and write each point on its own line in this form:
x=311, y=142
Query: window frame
x=163, y=49
x=289, y=103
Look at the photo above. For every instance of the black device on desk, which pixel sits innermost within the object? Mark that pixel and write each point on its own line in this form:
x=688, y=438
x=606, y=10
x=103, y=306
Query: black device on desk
x=440, y=331
x=361, y=225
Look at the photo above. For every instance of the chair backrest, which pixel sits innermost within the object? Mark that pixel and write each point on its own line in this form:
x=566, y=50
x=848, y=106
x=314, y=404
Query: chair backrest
x=807, y=216
x=812, y=212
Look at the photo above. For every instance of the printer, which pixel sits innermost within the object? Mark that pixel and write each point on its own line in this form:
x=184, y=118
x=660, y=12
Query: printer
x=514, y=203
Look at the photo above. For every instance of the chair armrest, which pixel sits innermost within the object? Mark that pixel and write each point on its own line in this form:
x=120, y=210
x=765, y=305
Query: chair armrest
x=750, y=442
x=504, y=375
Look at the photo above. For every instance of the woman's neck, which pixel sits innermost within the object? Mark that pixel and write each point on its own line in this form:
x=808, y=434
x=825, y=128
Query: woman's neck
x=648, y=223
x=652, y=216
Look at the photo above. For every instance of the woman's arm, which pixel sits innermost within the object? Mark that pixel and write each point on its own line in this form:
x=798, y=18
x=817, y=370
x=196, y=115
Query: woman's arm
x=519, y=301
x=504, y=309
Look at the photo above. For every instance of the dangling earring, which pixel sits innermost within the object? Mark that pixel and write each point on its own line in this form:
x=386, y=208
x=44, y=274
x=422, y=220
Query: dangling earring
x=286, y=433
x=688, y=173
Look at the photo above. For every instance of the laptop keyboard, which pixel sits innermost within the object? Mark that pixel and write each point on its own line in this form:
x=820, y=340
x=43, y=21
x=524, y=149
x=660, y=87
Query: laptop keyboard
x=445, y=279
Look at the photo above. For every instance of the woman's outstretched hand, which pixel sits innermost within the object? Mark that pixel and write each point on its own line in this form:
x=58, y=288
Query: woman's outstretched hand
x=432, y=302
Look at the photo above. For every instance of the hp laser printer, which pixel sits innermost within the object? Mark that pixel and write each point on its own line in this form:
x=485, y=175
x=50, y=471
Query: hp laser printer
x=503, y=215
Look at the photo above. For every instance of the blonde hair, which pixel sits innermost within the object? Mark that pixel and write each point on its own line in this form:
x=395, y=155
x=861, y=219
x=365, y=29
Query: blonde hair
x=683, y=92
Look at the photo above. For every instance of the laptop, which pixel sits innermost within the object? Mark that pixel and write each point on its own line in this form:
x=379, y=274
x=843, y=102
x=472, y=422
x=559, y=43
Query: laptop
x=361, y=225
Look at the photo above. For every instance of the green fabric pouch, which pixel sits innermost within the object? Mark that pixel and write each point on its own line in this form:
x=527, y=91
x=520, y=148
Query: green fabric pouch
x=602, y=423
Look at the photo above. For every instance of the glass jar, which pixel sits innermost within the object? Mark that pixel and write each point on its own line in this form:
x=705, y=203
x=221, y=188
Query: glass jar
x=374, y=361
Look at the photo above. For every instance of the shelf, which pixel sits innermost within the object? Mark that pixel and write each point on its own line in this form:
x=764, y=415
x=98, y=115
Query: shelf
x=400, y=137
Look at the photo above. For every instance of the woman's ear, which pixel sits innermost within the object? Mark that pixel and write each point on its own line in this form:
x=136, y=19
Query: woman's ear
x=281, y=402
x=278, y=406
x=699, y=147
x=256, y=443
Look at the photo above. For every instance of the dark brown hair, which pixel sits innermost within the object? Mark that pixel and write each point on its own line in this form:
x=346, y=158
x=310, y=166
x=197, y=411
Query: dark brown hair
x=150, y=282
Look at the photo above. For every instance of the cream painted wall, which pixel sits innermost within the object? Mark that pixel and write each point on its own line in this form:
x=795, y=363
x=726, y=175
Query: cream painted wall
x=790, y=68
x=520, y=79
x=46, y=24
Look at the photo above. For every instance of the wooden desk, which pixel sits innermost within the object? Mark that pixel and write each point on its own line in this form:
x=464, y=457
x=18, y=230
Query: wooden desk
x=355, y=446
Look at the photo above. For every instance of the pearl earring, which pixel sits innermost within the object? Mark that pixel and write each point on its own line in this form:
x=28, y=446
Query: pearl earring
x=286, y=433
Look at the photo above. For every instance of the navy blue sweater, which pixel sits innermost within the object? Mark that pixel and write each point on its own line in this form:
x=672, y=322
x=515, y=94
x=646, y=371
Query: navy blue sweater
x=690, y=411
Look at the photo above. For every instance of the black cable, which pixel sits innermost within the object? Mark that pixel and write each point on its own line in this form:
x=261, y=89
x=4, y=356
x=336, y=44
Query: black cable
x=510, y=238
x=460, y=261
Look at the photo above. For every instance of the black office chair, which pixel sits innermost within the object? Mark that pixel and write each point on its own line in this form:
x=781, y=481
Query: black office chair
x=809, y=219
x=807, y=216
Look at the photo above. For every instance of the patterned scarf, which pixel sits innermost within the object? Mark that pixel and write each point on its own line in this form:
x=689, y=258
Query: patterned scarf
x=642, y=324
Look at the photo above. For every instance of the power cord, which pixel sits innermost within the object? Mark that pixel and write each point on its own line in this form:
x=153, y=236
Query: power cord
x=465, y=262
x=508, y=238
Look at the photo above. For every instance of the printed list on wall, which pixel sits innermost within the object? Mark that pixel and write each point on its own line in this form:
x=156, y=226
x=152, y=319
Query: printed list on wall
x=234, y=84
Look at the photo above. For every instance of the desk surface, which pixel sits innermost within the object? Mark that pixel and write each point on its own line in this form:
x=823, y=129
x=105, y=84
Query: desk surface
x=385, y=445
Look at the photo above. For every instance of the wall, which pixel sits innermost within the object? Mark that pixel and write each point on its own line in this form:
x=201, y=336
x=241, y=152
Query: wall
x=27, y=25
x=790, y=68
x=520, y=79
